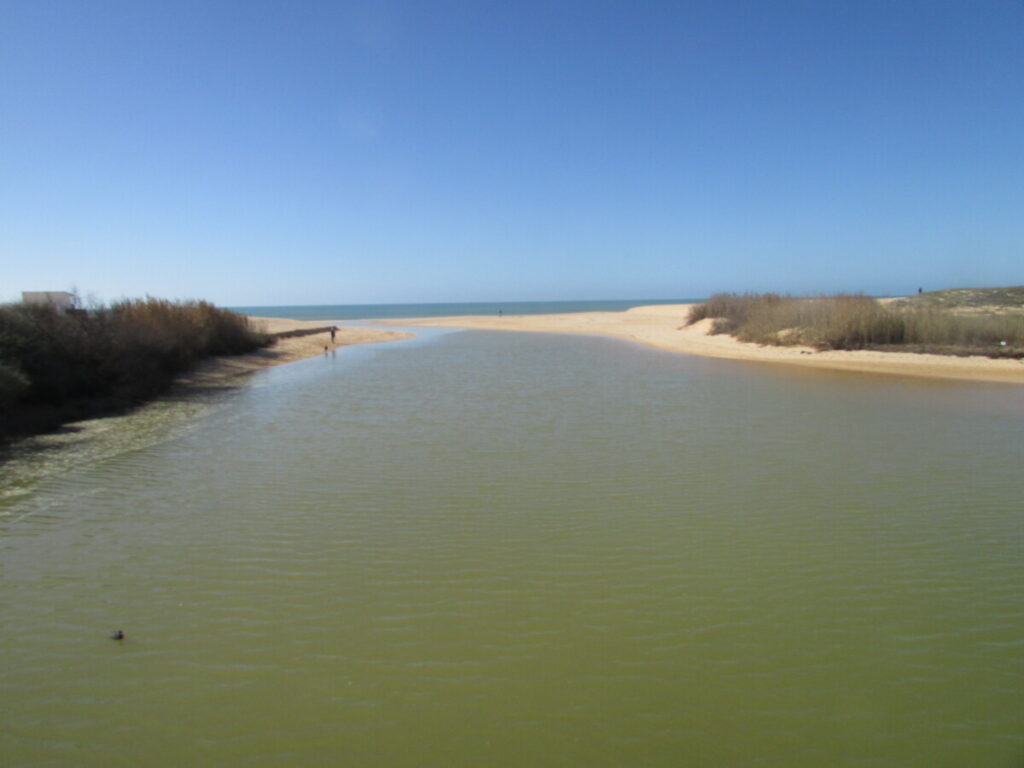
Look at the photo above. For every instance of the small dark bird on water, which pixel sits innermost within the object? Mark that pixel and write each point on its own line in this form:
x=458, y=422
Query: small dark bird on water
x=119, y=635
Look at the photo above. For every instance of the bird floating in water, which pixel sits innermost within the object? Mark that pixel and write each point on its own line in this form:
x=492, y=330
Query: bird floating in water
x=119, y=635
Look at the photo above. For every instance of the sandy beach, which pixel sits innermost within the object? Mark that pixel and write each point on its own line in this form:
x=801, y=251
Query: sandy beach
x=286, y=350
x=662, y=327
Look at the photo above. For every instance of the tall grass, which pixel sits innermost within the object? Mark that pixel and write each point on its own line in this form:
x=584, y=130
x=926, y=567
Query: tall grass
x=859, y=322
x=57, y=365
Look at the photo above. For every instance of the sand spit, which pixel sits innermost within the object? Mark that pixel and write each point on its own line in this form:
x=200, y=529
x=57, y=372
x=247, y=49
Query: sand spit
x=286, y=350
x=661, y=326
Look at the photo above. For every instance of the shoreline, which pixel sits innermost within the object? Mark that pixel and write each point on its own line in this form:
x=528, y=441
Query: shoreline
x=216, y=372
x=661, y=326
x=286, y=350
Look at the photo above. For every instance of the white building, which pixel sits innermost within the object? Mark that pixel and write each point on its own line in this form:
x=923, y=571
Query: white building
x=56, y=299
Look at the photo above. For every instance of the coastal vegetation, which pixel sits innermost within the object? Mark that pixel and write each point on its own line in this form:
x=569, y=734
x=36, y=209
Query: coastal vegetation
x=1008, y=299
x=960, y=322
x=58, y=366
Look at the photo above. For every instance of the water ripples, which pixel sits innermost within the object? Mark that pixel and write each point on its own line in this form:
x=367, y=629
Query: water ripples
x=511, y=550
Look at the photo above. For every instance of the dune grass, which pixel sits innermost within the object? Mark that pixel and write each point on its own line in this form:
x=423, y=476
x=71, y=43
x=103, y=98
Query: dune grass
x=1005, y=299
x=57, y=366
x=861, y=322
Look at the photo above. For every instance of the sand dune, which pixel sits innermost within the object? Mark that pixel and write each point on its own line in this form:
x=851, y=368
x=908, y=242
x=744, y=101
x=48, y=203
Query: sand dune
x=661, y=326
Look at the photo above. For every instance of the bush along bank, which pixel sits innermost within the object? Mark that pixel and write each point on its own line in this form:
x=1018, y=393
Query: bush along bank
x=860, y=322
x=57, y=366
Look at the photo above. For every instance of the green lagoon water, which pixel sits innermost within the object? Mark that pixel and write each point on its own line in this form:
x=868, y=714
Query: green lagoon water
x=487, y=549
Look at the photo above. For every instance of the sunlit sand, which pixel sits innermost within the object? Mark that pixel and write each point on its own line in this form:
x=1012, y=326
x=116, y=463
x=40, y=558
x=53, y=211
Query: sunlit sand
x=287, y=350
x=663, y=326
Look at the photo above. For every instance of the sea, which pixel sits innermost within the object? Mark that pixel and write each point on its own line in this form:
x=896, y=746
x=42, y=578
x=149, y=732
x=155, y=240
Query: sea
x=378, y=311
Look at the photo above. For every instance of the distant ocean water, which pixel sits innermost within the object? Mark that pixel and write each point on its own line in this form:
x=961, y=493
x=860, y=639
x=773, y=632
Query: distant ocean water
x=375, y=311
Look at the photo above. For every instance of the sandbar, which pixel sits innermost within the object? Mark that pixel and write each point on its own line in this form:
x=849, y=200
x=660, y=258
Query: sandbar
x=663, y=326
x=285, y=350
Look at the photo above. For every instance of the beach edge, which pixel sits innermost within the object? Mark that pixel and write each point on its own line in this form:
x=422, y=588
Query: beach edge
x=663, y=326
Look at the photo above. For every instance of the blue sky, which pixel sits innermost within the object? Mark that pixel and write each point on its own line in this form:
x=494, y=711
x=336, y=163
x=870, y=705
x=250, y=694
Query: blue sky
x=304, y=152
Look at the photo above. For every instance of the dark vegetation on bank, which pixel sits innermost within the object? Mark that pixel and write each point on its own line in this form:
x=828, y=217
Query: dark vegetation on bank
x=58, y=366
x=959, y=322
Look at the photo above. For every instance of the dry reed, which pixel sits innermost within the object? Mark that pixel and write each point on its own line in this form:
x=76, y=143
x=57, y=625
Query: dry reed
x=860, y=322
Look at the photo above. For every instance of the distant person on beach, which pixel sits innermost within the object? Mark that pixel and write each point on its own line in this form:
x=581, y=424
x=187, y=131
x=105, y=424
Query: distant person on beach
x=334, y=329
x=920, y=291
x=499, y=313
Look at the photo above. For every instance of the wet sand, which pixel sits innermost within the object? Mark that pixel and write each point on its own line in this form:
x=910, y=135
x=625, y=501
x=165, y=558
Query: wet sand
x=286, y=350
x=663, y=327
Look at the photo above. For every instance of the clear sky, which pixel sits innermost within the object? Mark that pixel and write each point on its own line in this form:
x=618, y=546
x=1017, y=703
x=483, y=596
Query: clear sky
x=358, y=152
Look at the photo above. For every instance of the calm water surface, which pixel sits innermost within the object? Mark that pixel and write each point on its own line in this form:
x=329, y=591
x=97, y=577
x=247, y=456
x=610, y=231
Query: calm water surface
x=486, y=549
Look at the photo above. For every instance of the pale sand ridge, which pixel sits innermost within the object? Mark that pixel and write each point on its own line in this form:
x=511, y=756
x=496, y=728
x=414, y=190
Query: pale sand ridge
x=662, y=326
